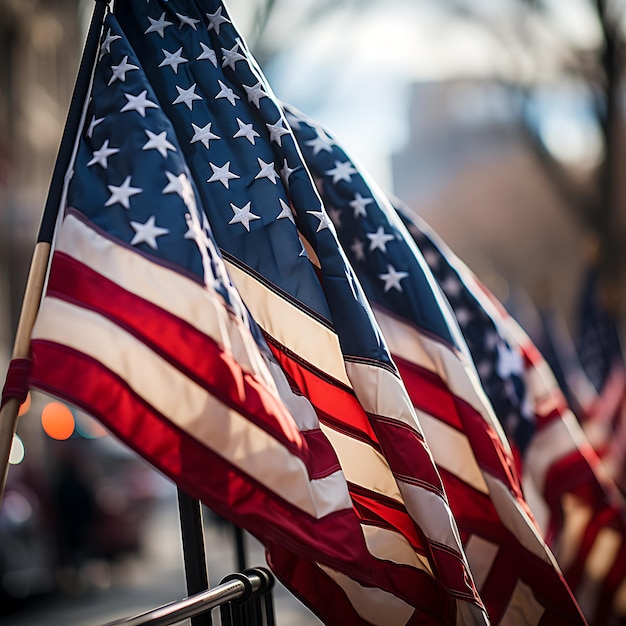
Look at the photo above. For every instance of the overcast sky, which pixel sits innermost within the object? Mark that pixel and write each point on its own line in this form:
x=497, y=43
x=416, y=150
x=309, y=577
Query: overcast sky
x=351, y=68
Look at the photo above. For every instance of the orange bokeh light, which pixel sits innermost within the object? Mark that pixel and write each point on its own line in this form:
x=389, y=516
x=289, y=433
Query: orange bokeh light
x=25, y=405
x=57, y=421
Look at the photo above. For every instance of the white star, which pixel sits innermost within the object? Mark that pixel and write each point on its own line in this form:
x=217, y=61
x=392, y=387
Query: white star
x=379, y=239
x=147, y=233
x=173, y=59
x=243, y=215
x=255, y=93
x=94, y=122
x=226, y=92
x=208, y=54
x=122, y=193
x=187, y=96
x=321, y=142
x=100, y=156
x=285, y=211
x=158, y=142
x=359, y=203
x=246, y=130
x=105, y=48
x=216, y=20
x=392, y=278
x=509, y=361
x=341, y=171
x=357, y=249
x=203, y=134
x=277, y=131
x=185, y=20
x=119, y=71
x=223, y=174
x=286, y=171
x=230, y=57
x=175, y=184
x=158, y=26
x=139, y=103
x=267, y=170
x=322, y=216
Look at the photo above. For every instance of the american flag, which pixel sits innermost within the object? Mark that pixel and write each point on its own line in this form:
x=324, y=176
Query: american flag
x=588, y=514
x=515, y=572
x=183, y=148
x=585, y=514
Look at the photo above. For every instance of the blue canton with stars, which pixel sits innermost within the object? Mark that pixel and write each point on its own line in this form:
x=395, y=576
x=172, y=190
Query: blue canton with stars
x=253, y=185
x=130, y=178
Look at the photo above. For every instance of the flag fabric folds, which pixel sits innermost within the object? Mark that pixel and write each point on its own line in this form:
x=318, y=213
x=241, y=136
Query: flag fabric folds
x=582, y=511
x=274, y=234
x=515, y=571
x=279, y=409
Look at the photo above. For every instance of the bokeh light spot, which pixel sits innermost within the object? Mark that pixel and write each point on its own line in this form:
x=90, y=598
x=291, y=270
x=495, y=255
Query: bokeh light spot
x=57, y=421
x=16, y=456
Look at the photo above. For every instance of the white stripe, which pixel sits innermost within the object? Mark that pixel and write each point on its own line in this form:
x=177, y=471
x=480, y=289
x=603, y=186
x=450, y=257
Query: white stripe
x=601, y=557
x=576, y=518
x=523, y=607
x=433, y=516
x=374, y=605
x=191, y=408
x=517, y=520
x=382, y=393
x=452, y=451
x=362, y=465
x=392, y=546
x=290, y=326
x=481, y=555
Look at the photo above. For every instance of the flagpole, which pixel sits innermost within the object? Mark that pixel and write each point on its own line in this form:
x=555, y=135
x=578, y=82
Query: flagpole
x=41, y=253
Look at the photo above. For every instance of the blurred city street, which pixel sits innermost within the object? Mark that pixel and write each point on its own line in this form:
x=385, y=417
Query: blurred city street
x=136, y=583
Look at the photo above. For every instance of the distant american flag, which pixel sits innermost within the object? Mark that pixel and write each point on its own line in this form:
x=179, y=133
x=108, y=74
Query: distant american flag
x=184, y=145
x=585, y=513
x=515, y=572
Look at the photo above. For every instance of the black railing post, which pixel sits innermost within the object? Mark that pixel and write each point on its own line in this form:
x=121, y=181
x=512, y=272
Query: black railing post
x=194, y=552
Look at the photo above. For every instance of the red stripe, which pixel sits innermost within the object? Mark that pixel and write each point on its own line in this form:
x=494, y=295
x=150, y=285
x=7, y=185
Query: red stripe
x=490, y=454
x=180, y=343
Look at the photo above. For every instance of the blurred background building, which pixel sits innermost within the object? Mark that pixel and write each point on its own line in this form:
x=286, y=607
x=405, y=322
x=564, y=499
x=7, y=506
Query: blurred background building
x=500, y=123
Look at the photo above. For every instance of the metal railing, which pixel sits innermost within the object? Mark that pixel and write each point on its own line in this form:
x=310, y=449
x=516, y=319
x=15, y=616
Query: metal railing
x=245, y=599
